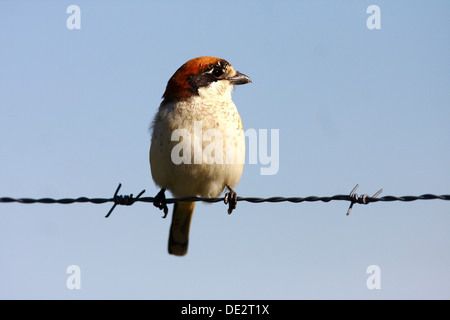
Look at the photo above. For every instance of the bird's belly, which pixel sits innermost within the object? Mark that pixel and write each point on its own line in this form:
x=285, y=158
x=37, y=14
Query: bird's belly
x=197, y=153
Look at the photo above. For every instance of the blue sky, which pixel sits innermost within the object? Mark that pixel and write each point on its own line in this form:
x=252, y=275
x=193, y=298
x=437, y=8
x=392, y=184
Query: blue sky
x=352, y=105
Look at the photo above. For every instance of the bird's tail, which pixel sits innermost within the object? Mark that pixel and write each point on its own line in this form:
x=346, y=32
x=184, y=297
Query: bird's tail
x=179, y=229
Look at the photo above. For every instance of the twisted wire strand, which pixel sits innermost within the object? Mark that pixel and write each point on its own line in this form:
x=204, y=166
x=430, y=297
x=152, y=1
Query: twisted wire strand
x=214, y=200
x=129, y=200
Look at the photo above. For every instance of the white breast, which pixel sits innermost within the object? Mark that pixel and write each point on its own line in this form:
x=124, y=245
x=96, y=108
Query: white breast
x=217, y=115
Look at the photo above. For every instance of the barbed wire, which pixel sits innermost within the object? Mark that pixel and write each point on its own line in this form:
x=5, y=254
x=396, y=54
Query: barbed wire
x=161, y=202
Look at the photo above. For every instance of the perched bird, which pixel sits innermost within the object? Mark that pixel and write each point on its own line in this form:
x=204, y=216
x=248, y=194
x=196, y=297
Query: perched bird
x=192, y=152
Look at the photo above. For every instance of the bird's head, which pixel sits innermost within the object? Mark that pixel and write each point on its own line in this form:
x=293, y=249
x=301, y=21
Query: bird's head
x=204, y=77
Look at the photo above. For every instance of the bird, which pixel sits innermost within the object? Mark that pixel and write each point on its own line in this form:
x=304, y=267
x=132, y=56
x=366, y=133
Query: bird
x=193, y=163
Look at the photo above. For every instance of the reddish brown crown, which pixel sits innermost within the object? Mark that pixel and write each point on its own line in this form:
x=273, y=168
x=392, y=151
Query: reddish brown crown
x=179, y=86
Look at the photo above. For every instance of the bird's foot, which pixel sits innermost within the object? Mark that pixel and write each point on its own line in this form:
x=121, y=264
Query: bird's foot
x=160, y=202
x=230, y=199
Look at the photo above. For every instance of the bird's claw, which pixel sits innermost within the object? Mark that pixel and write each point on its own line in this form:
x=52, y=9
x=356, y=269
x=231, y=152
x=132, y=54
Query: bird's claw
x=230, y=199
x=160, y=202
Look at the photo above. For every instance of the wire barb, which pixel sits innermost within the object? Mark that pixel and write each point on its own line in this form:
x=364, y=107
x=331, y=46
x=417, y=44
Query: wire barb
x=354, y=198
x=123, y=200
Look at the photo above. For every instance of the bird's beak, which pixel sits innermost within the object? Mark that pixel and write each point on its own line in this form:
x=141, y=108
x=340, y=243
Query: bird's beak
x=239, y=78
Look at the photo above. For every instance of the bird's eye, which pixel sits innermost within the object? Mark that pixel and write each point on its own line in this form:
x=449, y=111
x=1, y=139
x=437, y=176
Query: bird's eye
x=217, y=72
